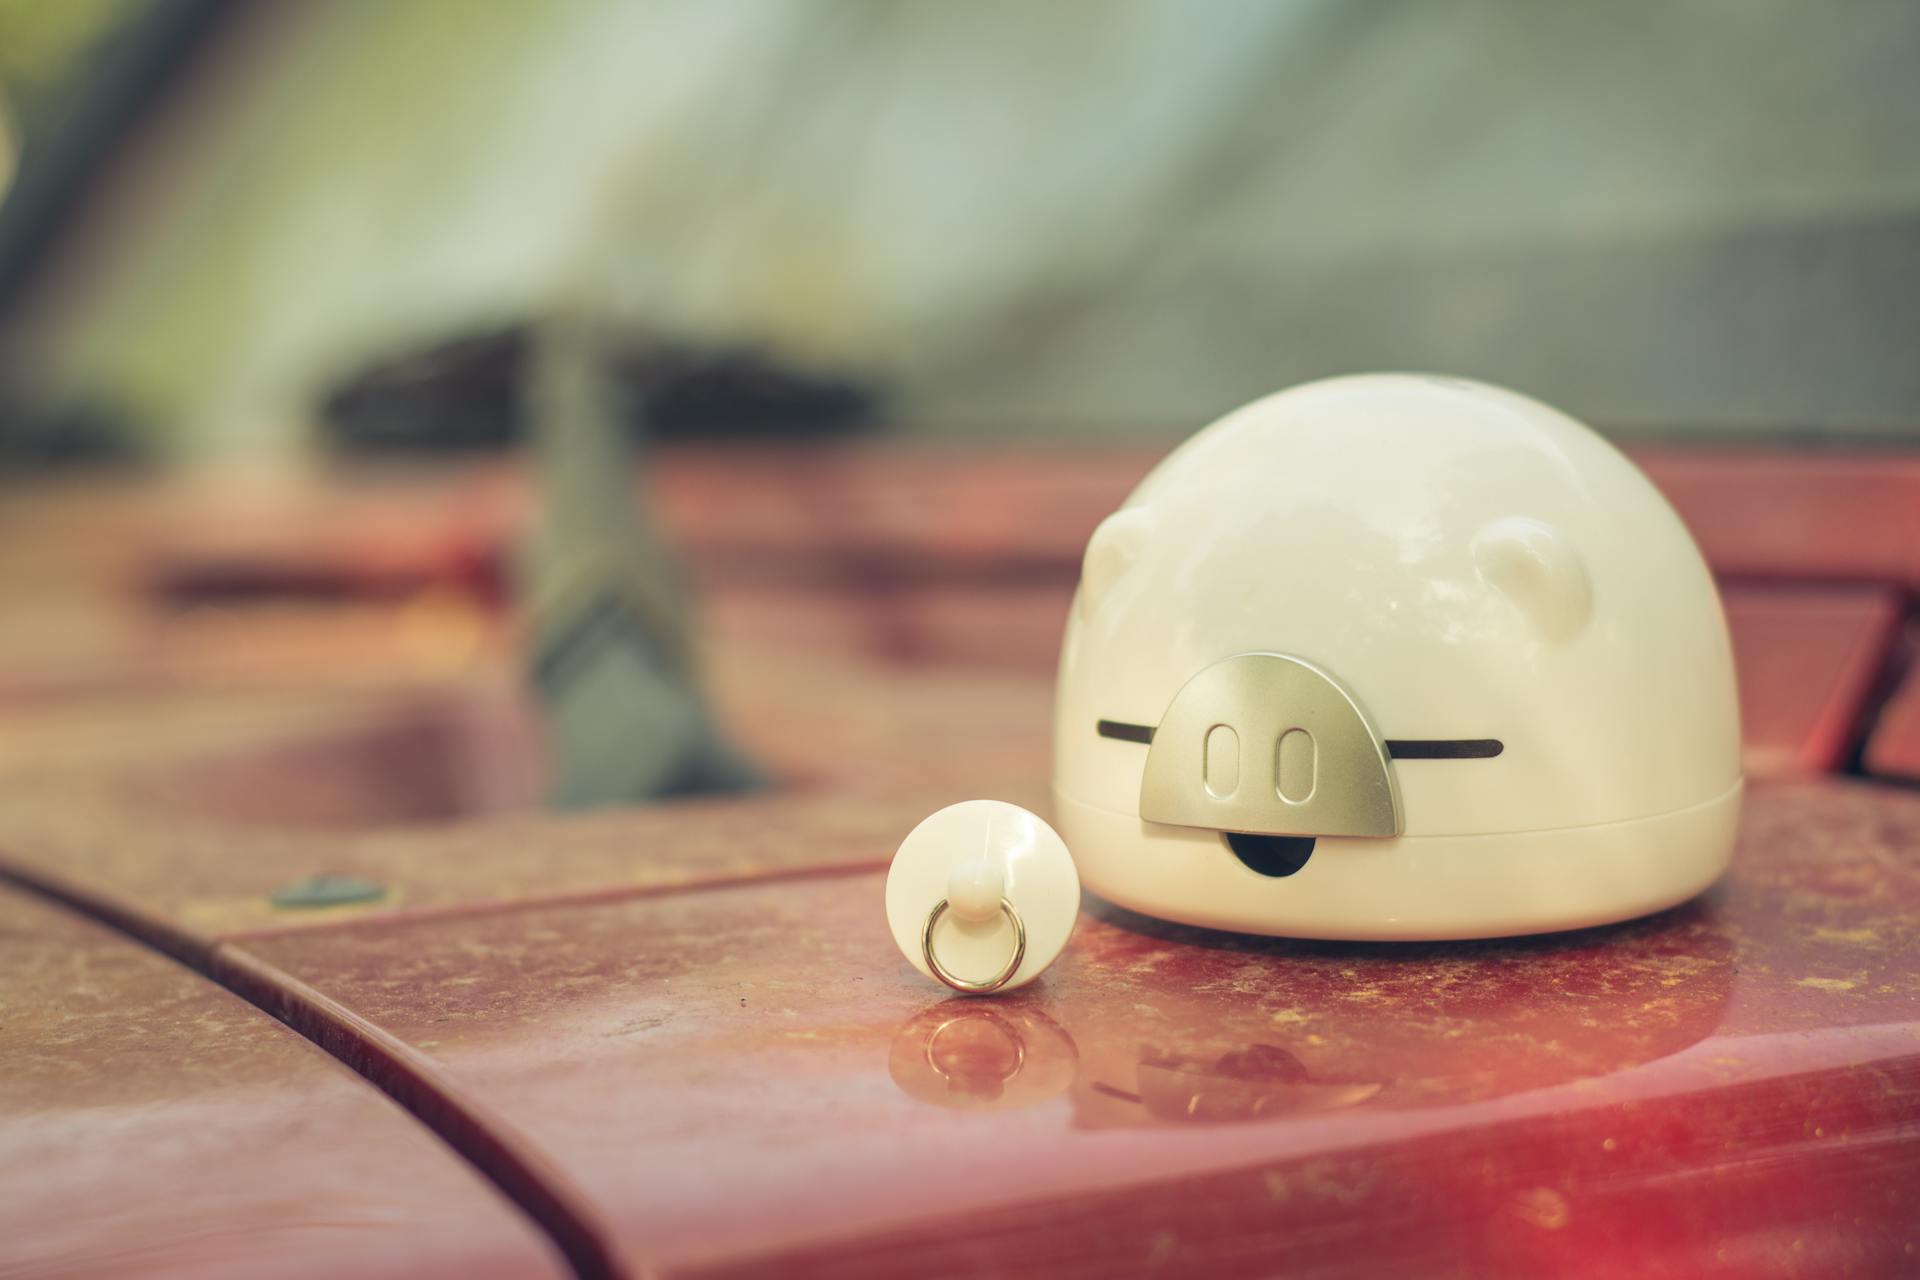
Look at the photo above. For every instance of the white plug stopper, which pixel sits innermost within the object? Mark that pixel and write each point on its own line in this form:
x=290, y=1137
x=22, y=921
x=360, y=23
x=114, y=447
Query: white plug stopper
x=980, y=886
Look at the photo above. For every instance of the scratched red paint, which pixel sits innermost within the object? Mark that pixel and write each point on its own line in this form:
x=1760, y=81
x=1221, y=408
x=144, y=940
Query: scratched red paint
x=1728, y=1086
x=153, y=1124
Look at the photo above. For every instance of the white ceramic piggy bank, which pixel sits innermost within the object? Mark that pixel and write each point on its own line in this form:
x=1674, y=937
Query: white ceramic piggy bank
x=1396, y=656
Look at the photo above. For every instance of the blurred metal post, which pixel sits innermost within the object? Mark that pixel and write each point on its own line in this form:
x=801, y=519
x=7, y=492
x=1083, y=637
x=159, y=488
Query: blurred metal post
x=607, y=622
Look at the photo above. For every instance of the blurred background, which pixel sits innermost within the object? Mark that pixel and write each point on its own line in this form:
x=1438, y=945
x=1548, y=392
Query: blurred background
x=255, y=228
x=331, y=334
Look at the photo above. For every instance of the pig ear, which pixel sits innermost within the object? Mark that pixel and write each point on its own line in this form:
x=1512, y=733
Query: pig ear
x=1535, y=566
x=1115, y=545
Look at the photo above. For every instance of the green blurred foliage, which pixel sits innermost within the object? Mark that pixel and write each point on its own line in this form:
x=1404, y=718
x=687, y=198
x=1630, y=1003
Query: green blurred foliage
x=43, y=43
x=1090, y=216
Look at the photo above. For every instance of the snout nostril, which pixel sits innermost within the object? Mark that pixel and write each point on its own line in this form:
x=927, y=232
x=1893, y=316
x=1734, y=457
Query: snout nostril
x=1220, y=762
x=1271, y=855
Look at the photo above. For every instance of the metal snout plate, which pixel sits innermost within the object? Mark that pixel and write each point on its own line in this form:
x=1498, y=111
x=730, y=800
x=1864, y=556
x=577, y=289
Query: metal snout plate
x=1269, y=744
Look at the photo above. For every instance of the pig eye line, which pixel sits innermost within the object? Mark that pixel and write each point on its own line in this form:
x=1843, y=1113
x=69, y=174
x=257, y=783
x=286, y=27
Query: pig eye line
x=1125, y=732
x=1397, y=748
x=1444, y=748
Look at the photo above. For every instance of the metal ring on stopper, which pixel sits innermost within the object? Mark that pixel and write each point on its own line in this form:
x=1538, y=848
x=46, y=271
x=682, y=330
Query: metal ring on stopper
x=963, y=985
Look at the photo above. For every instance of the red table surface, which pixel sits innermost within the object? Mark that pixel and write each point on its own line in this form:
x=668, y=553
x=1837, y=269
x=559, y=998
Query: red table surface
x=1810, y=659
x=154, y=1124
x=682, y=1039
x=1728, y=1088
x=1894, y=748
x=939, y=556
x=733, y=1070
